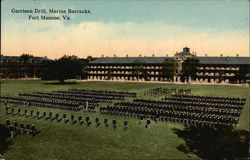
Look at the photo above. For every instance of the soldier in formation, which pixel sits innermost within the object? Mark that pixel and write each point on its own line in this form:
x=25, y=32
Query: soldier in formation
x=125, y=124
x=114, y=124
x=106, y=123
x=97, y=122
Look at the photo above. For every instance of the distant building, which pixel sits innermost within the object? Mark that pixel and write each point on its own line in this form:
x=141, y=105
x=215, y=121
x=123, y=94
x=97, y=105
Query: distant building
x=13, y=67
x=209, y=69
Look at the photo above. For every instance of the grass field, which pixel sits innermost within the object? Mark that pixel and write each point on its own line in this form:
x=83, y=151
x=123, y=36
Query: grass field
x=68, y=141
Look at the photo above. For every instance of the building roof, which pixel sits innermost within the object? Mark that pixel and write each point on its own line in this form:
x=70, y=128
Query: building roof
x=159, y=60
x=224, y=60
x=129, y=60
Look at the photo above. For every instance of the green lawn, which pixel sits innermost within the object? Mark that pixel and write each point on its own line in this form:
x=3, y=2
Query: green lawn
x=67, y=141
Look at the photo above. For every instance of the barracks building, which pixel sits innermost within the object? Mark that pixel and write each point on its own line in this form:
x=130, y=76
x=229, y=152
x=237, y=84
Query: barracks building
x=209, y=69
x=12, y=67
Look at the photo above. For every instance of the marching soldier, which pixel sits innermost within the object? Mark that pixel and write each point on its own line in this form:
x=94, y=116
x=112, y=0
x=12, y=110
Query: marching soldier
x=88, y=123
x=125, y=124
x=140, y=121
x=7, y=109
x=28, y=128
x=106, y=122
x=33, y=129
x=97, y=121
x=81, y=122
x=114, y=124
x=8, y=123
x=87, y=119
x=50, y=116
x=22, y=127
x=12, y=111
x=148, y=123
x=25, y=112
x=19, y=112
x=37, y=114
x=12, y=131
x=80, y=118
x=72, y=117
x=44, y=115
x=86, y=106
x=15, y=126
x=57, y=117
x=31, y=113
x=64, y=117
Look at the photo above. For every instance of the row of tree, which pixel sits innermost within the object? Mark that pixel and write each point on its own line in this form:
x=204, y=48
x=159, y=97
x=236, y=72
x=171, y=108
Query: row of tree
x=67, y=67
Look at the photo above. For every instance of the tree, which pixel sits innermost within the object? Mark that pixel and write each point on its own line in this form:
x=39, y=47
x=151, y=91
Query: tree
x=25, y=58
x=137, y=69
x=189, y=68
x=145, y=74
x=109, y=75
x=67, y=67
x=26, y=65
x=90, y=58
x=242, y=74
x=169, y=69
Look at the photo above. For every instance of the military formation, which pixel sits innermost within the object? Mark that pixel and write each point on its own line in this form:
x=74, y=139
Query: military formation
x=20, y=128
x=177, y=108
x=72, y=118
x=71, y=100
x=163, y=91
x=185, y=109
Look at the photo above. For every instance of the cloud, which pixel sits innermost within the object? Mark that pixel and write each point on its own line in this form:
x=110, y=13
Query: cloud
x=54, y=39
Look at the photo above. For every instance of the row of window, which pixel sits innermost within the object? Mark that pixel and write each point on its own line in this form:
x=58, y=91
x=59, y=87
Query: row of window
x=123, y=67
x=219, y=68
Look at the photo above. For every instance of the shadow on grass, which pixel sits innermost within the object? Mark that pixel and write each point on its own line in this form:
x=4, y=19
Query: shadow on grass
x=60, y=83
x=209, y=143
x=36, y=133
x=4, y=139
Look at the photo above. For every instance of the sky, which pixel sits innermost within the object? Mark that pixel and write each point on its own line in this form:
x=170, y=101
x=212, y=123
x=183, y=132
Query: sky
x=133, y=28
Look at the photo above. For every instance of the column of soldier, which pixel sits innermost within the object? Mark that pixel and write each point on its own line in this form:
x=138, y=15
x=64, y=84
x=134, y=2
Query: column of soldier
x=105, y=92
x=16, y=129
x=31, y=130
x=186, y=109
x=72, y=100
x=164, y=91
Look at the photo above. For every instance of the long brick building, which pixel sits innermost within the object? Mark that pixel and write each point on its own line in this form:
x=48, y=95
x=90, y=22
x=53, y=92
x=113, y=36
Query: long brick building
x=209, y=69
